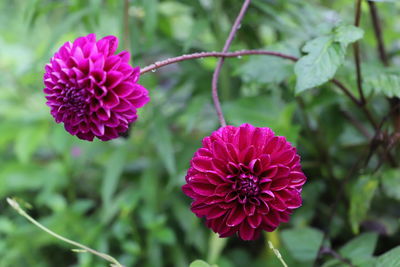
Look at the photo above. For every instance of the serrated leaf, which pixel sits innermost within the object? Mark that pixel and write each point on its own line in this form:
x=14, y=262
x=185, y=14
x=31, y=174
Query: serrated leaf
x=391, y=183
x=361, y=194
x=324, y=55
x=386, y=84
x=347, y=34
x=320, y=65
x=389, y=259
x=360, y=249
x=303, y=243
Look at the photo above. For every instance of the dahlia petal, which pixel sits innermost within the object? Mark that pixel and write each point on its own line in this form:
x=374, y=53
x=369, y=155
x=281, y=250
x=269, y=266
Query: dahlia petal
x=112, y=44
x=202, y=164
x=254, y=221
x=103, y=114
x=125, y=56
x=203, y=189
x=285, y=157
x=125, y=69
x=271, y=219
x=97, y=128
x=249, y=209
x=297, y=178
x=187, y=189
x=295, y=201
x=201, y=210
x=233, y=168
x=263, y=208
x=113, y=79
x=123, y=105
x=140, y=102
x=97, y=63
x=235, y=217
x=222, y=189
x=231, y=196
x=110, y=100
x=246, y=232
x=215, y=212
x=219, y=150
x=228, y=231
x=135, y=75
x=98, y=76
x=124, y=89
x=279, y=184
x=247, y=155
x=278, y=204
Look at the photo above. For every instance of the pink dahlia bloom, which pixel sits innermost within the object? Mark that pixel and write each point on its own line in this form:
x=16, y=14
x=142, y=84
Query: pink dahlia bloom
x=244, y=179
x=92, y=90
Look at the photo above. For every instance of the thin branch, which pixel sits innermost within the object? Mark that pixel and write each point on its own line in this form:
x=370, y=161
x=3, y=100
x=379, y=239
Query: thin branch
x=356, y=49
x=240, y=53
x=346, y=91
x=153, y=67
x=378, y=32
x=14, y=204
x=327, y=250
x=358, y=124
x=214, y=84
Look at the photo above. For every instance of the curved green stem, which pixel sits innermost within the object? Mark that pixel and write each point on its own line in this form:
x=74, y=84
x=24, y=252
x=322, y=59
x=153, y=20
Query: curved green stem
x=14, y=204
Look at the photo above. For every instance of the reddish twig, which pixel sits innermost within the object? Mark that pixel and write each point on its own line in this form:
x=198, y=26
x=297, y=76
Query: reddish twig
x=214, y=84
x=173, y=60
x=356, y=49
x=378, y=32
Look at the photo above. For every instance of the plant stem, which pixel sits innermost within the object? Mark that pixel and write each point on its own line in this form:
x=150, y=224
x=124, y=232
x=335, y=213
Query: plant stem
x=14, y=204
x=376, y=22
x=277, y=254
x=378, y=32
x=173, y=60
x=356, y=49
x=214, y=84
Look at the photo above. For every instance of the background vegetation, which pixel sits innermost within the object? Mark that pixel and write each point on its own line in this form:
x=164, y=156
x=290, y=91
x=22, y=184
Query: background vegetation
x=123, y=197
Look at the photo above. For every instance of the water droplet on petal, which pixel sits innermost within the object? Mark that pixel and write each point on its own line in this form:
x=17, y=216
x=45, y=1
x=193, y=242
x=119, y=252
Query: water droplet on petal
x=153, y=70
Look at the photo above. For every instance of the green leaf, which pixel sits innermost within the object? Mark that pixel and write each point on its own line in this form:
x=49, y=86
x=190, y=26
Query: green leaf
x=391, y=183
x=199, y=263
x=390, y=258
x=216, y=245
x=162, y=139
x=362, y=193
x=303, y=243
x=360, y=249
x=265, y=70
x=386, y=84
x=113, y=171
x=324, y=55
x=28, y=141
x=347, y=34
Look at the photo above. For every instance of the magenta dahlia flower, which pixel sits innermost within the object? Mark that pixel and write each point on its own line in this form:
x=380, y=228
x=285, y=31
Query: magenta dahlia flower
x=92, y=90
x=244, y=179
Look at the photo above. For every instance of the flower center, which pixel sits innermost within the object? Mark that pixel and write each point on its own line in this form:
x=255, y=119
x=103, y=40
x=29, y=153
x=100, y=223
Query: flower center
x=247, y=185
x=75, y=100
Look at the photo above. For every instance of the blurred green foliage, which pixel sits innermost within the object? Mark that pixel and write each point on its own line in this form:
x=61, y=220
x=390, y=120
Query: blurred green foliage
x=123, y=197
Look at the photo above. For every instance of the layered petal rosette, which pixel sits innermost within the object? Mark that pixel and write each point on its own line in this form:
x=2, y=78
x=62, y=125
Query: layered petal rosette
x=244, y=180
x=92, y=90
